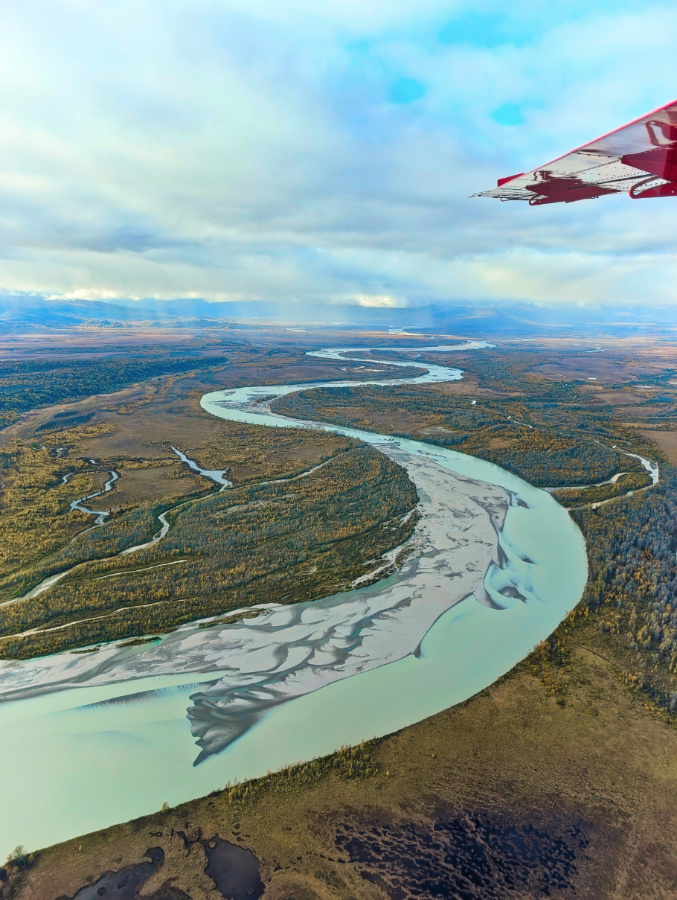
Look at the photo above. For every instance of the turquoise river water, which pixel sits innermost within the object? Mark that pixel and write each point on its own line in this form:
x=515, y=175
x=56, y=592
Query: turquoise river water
x=111, y=742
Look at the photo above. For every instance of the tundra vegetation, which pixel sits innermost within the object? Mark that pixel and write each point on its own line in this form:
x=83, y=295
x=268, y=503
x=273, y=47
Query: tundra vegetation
x=595, y=704
x=569, y=435
x=591, y=811
x=26, y=384
x=533, y=440
x=307, y=536
x=297, y=537
x=29, y=383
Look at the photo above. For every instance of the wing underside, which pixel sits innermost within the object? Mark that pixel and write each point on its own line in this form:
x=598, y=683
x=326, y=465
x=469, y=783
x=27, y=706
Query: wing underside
x=640, y=158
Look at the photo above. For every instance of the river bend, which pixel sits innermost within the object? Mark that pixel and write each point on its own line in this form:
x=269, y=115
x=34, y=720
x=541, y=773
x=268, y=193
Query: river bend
x=494, y=565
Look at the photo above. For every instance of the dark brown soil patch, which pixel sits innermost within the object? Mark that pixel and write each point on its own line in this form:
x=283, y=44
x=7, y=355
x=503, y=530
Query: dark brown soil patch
x=469, y=856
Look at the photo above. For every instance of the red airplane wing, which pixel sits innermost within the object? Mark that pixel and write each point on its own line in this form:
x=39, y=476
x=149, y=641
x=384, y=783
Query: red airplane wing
x=640, y=157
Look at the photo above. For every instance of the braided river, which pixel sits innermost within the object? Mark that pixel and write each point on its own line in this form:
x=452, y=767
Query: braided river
x=91, y=739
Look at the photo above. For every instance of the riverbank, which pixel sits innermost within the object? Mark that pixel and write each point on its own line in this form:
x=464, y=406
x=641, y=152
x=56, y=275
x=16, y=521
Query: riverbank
x=511, y=792
x=502, y=565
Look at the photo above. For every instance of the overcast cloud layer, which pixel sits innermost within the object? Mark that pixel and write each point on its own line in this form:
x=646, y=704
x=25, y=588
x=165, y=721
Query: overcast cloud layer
x=293, y=150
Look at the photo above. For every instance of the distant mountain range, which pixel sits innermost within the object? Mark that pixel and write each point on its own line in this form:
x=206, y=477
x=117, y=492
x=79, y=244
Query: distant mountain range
x=16, y=311
x=22, y=312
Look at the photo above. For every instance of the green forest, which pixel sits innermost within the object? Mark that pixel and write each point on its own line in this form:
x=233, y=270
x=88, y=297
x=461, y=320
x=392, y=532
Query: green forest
x=628, y=613
x=26, y=384
x=543, y=445
x=632, y=553
x=633, y=481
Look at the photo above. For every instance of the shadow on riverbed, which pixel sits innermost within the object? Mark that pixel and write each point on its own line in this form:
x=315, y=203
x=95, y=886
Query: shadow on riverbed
x=234, y=871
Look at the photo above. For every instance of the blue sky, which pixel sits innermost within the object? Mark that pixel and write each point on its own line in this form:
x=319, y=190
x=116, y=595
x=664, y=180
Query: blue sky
x=323, y=153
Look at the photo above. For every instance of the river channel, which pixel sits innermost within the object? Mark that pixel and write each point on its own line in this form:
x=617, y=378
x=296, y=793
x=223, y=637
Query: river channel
x=98, y=738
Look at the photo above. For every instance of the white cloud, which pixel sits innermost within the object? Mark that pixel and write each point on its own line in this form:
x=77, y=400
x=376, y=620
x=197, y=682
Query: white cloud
x=378, y=301
x=89, y=294
x=249, y=151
